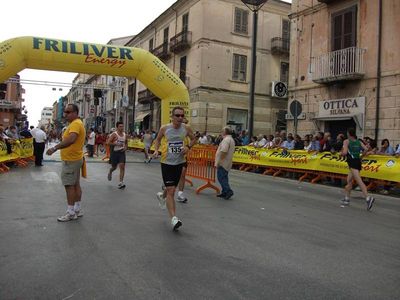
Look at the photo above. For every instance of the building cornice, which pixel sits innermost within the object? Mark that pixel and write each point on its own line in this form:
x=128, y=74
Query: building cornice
x=307, y=11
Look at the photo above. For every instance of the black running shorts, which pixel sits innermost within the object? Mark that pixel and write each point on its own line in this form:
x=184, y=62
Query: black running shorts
x=171, y=174
x=354, y=163
x=117, y=157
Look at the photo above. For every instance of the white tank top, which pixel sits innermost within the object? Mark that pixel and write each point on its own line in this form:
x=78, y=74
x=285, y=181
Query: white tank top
x=120, y=143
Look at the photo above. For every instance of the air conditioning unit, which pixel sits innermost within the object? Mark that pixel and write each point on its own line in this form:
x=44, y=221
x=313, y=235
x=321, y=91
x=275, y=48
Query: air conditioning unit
x=279, y=89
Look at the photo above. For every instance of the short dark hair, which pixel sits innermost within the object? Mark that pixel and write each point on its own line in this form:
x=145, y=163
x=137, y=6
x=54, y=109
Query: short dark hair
x=75, y=107
x=177, y=108
x=352, y=132
x=385, y=140
x=118, y=123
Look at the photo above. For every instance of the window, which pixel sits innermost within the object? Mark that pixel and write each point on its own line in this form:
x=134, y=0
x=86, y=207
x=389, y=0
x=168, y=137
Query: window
x=151, y=44
x=185, y=22
x=182, y=69
x=237, y=119
x=284, y=72
x=241, y=21
x=344, y=28
x=286, y=30
x=166, y=33
x=239, y=67
x=3, y=90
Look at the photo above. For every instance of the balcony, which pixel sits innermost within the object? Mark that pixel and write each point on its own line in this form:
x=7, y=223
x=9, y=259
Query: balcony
x=12, y=105
x=326, y=1
x=146, y=96
x=280, y=46
x=340, y=65
x=181, y=41
x=162, y=51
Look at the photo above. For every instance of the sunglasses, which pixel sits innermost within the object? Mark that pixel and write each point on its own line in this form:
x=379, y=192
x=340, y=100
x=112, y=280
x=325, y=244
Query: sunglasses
x=179, y=116
x=67, y=112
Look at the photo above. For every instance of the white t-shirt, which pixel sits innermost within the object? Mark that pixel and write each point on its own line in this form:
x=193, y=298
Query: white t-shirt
x=203, y=140
x=227, y=145
x=92, y=138
x=40, y=136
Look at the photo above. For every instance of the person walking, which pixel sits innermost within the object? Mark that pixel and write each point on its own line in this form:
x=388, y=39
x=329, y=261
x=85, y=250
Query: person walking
x=39, y=145
x=352, y=148
x=147, y=141
x=91, y=141
x=172, y=137
x=223, y=162
x=118, y=141
x=71, y=147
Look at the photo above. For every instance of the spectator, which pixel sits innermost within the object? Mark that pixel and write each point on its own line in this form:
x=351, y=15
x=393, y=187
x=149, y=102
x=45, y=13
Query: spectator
x=12, y=133
x=203, y=139
x=315, y=143
x=298, y=143
x=386, y=149
x=397, y=153
x=289, y=143
x=338, y=145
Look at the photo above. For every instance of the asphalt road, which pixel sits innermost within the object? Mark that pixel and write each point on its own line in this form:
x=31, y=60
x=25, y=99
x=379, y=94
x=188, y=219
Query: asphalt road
x=276, y=239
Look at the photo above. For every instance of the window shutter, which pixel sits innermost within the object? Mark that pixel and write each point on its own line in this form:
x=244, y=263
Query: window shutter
x=245, y=21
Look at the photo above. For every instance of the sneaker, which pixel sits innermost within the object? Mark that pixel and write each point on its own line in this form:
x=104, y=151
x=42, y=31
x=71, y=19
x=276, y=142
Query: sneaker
x=161, y=200
x=79, y=213
x=67, y=217
x=228, y=196
x=121, y=185
x=221, y=195
x=176, y=223
x=181, y=199
x=345, y=202
x=109, y=177
x=370, y=202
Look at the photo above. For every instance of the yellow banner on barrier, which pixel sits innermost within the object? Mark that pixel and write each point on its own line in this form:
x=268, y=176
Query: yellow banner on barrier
x=20, y=149
x=373, y=166
x=26, y=147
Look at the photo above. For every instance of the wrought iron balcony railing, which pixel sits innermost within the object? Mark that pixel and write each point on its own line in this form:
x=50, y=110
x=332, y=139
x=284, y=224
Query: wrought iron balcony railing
x=339, y=65
x=181, y=41
x=145, y=96
x=162, y=51
x=280, y=45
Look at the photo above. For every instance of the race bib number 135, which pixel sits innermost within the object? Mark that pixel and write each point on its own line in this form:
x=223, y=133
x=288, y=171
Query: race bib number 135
x=175, y=147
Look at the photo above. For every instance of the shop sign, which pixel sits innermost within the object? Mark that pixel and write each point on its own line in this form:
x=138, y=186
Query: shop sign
x=341, y=107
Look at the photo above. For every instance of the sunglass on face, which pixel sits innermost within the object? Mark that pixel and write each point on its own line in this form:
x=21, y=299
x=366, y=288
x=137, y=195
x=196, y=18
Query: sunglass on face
x=67, y=112
x=179, y=116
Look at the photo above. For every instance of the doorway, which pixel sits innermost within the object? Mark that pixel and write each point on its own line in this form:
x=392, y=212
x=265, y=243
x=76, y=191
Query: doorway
x=336, y=127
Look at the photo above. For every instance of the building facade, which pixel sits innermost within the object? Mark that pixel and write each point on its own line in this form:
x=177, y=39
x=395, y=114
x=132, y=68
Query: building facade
x=208, y=44
x=46, y=117
x=11, y=102
x=345, y=67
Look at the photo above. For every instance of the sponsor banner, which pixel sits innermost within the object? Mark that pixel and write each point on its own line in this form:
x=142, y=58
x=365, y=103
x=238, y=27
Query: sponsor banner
x=26, y=146
x=373, y=166
x=20, y=149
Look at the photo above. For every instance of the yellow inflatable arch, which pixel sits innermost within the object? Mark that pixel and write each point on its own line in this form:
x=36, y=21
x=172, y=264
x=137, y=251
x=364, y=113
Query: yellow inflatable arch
x=59, y=55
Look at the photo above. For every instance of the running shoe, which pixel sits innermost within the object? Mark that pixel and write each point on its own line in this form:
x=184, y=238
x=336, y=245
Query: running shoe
x=344, y=202
x=79, y=213
x=121, y=185
x=181, y=199
x=109, y=176
x=370, y=202
x=161, y=200
x=176, y=223
x=67, y=217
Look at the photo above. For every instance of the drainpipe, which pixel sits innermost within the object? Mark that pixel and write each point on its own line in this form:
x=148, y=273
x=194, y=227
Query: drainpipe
x=378, y=72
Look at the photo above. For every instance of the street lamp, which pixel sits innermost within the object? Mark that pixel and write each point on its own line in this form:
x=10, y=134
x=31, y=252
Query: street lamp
x=254, y=6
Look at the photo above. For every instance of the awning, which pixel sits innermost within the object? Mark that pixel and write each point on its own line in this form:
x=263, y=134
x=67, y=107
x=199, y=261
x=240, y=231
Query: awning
x=359, y=119
x=140, y=116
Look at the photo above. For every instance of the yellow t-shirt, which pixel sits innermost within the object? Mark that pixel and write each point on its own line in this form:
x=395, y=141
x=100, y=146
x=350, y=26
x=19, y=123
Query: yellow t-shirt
x=74, y=151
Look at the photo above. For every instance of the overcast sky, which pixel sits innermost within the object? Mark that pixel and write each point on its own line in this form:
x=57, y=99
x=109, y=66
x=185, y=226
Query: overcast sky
x=83, y=20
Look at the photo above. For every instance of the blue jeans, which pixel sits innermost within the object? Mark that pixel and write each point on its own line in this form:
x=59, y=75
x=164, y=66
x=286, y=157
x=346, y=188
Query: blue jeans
x=223, y=180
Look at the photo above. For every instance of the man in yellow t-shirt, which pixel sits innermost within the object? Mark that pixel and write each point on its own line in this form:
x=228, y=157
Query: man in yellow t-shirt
x=72, y=156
